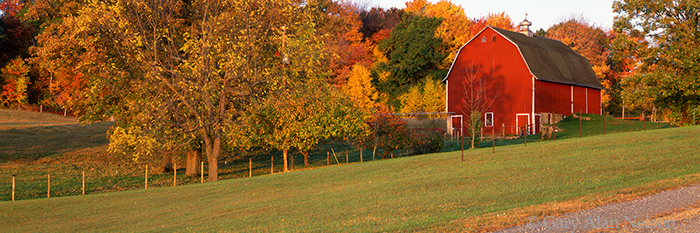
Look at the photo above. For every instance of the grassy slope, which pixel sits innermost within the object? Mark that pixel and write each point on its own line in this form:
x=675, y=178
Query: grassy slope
x=433, y=192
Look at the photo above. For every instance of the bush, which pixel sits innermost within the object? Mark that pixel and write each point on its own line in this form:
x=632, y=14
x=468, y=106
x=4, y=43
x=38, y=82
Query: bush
x=424, y=145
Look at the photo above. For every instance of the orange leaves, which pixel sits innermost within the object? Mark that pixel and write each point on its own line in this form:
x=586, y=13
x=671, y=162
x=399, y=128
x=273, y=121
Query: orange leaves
x=16, y=76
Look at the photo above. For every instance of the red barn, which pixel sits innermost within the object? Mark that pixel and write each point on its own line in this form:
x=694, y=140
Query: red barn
x=524, y=76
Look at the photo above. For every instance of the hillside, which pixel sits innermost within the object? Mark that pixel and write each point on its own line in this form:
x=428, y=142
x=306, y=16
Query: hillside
x=428, y=192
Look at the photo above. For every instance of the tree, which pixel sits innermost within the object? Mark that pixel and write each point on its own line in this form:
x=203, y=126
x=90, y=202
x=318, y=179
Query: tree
x=590, y=42
x=670, y=71
x=387, y=132
x=16, y=75
x=360, y=89
x=429, y=96
x=339, y=25
x=197, y=65
x=478, y=99
x=499, y=20
x=454, y=28
x=413, y=52
x=303, y=116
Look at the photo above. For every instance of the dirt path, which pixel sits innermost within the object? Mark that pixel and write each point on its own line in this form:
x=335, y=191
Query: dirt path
x=675, y=210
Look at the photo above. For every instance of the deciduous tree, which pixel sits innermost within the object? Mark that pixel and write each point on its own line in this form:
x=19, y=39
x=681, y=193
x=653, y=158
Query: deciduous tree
x=670, y=71
x=303, y=116
x=413, y=52
x=16, y=76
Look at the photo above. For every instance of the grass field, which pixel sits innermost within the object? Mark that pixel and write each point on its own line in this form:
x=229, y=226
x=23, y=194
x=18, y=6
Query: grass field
x=435, y=192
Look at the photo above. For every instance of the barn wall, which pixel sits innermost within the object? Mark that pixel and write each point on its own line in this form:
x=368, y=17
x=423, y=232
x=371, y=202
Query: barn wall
x=552, y=97
x=594, y=99
x=499, y=66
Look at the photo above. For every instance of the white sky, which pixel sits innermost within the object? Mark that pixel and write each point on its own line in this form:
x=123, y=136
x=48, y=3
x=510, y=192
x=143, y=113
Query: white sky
x=542, y=13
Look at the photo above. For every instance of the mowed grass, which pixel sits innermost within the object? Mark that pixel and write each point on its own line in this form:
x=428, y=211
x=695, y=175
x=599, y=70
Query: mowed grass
x=436, y=192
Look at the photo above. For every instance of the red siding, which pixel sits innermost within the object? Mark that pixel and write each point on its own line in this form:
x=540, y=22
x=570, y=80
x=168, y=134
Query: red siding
x=552, y=97
x=511, y=82
x=501, y=68
x=594, y=101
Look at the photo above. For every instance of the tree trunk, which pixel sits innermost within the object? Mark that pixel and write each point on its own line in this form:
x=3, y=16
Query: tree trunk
x=306, y=157
x=166, y=164
x=194, y=159
x=212, y=145
x=284, y=157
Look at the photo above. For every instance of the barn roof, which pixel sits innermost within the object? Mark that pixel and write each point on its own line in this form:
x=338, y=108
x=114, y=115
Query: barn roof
x=551, y=60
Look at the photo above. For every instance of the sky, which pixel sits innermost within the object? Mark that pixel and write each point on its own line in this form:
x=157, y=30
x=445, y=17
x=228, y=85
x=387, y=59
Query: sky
x=542, y=13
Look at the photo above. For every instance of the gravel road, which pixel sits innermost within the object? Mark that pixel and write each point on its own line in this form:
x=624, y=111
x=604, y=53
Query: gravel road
x=676, y=210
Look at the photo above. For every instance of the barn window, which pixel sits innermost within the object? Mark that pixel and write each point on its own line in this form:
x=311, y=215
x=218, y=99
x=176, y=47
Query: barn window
x=493, y=39
x=488, y=119
x=483, y=39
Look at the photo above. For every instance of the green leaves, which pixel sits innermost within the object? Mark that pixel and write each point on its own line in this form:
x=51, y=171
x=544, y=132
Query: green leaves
x=413, y=52
x=669, y=69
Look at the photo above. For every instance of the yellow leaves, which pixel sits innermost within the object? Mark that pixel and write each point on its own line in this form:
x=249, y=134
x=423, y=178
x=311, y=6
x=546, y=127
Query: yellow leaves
x=360, y=89
x=427, y=97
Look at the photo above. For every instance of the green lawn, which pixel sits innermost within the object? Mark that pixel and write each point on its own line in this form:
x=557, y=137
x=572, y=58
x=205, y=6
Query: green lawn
x=435, y=192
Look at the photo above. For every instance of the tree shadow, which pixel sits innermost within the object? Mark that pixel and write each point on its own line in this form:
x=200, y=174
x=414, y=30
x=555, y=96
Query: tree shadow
x=33, y=143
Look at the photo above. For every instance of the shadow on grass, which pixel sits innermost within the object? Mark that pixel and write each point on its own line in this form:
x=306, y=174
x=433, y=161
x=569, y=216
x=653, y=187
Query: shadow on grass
x=33, y=143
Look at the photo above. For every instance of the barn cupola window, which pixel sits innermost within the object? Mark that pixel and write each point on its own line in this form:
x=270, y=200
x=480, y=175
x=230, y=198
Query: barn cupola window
x=488, y=119
x=525, y=27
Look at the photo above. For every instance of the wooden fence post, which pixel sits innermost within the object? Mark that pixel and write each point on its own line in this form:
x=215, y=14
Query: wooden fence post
x=13, y=187
x=83, y=183
x=603, y=113
x=202, y=173
x=174, y=174
x=554, y=126
x=250, y=167
x=374, y=152
x=328, y=158
x=361, y=159
x=462, y=148
x=272, y=164
x=526, y=134
x=48, y=191
x=146, y=187
x=347, y=157
x=493, y=139
x=579, y=123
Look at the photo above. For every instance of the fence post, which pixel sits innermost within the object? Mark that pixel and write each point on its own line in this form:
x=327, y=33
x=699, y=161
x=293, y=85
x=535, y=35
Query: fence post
x=462, y=148
x=13, y=187
x=603, y=113
x=503, y=129
x=554, y=126
x=347, y=158
x=202, y=173
x=328, y=158
x=361, y=159
x=579, y=123
x=146, y=182
x=272, y=164
x=526, y=135
x=174, y=174
x=48, y=191
x=41, y=108
x=250, y=167
x=374, y=152
x=83, y=183
x=493, y=139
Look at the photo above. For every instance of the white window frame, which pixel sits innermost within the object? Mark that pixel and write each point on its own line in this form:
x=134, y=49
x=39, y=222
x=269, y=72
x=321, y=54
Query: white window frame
x=486, y=118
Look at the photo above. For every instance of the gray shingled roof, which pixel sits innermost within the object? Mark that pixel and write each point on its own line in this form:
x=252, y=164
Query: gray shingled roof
x=553, y=61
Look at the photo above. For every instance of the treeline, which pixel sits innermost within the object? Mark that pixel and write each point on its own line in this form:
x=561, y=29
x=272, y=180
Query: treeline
x=208, y=76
